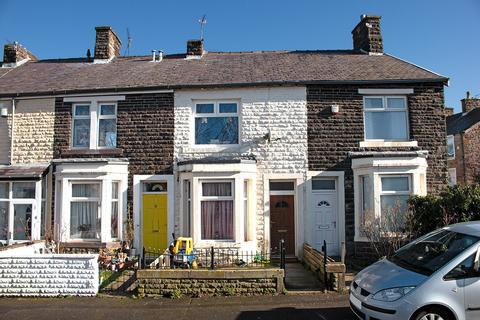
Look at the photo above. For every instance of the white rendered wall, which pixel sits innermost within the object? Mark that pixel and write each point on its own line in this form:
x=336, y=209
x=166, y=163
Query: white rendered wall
x=280, y=111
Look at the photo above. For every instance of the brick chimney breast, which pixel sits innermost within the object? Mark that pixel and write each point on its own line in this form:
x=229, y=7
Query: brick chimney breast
x=107, y=43
x=14, y=53
x=195, y=48
x=367, y=36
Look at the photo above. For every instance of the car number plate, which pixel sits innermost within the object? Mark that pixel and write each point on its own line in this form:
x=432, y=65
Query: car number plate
x=357, y=303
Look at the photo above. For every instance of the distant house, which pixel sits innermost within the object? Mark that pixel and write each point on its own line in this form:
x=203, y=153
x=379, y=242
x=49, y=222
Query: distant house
x=463, y=143
x=235, y=149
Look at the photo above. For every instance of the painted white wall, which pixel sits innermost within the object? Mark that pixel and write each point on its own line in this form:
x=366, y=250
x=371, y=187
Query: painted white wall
x=280, y=111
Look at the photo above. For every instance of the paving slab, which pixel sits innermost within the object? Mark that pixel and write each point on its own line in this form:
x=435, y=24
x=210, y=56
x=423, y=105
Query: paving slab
x=297, y=278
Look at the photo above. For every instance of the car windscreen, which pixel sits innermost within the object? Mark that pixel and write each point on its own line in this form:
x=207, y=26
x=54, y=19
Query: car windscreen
x=432, y=251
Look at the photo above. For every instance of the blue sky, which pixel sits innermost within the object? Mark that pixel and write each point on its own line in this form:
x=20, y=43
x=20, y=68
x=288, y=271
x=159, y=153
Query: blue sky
x=440, y=35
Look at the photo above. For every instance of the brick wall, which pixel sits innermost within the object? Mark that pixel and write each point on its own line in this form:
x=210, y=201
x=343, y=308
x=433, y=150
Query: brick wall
x=330, y=138
x=145, y=125
x=49, y=275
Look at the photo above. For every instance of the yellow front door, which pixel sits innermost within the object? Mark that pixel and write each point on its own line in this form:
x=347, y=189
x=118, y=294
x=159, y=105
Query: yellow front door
x=155, y=222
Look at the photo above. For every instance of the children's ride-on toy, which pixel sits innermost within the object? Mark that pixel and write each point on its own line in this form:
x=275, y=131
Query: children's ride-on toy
x=181, y=252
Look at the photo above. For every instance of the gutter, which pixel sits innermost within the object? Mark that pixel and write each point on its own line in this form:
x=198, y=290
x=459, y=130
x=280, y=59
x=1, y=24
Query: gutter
x=217, y=85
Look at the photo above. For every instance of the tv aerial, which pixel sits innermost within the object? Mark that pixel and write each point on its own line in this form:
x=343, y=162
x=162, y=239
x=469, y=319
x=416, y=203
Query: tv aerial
x=203, y=22
x=129, y=43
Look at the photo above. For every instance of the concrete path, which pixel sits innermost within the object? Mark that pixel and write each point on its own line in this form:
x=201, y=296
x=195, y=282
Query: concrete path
x=297, y=278
x=285, y=307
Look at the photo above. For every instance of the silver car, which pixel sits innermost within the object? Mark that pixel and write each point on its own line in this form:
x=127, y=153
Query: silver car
x=432, y=278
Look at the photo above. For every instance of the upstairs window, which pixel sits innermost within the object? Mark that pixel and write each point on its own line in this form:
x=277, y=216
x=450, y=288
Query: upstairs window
x=450, y=147
x=386, y=118
x=216, y=123
x=94, y=125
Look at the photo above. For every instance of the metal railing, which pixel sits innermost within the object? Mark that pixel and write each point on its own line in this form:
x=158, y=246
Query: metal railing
x=212, y=258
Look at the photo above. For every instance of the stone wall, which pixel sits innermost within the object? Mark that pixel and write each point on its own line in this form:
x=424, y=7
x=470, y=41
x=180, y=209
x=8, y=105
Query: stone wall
x=33, y=131
x=280, y=111
x=49, y=275
x=471, y=140
x=209, y=282
x=331, y=138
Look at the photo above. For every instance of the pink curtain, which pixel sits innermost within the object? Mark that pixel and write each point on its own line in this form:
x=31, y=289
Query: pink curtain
x=217, y=220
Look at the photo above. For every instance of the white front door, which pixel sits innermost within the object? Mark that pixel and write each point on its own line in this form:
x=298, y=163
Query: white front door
x=324, y=208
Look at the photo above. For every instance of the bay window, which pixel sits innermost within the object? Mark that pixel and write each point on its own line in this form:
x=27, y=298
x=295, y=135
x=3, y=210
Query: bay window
x=386, y=118
x=395, y=191
x=217, y=210
x=216, y=123
x=114, y=212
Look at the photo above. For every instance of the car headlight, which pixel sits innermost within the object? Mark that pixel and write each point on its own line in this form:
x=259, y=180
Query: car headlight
x=392, y=294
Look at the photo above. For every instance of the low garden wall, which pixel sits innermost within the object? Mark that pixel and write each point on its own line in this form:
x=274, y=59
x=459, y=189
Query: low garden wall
x=229, y=282
x=33, y=274
x=316, y=262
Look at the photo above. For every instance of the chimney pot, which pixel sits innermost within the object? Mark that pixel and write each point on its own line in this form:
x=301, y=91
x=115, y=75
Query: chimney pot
x=107, y=43
x=195, y=47
x=367, y=35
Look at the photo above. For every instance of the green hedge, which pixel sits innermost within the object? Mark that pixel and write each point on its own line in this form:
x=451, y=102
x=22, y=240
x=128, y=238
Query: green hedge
x=455, y=204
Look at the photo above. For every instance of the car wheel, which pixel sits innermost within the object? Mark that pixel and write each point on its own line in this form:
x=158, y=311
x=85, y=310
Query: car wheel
x=433, y=313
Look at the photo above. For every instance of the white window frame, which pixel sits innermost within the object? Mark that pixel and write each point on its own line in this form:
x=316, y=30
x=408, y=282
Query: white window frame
x=98, y=200
x=106, y=117
x=216, y=114
x=81, y=117
x=36, y=214
x=385, y=109
x=452, y=139
x=218, y=198
x=117, y=200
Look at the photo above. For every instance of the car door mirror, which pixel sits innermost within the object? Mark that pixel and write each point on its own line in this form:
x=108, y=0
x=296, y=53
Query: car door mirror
x=476, y=264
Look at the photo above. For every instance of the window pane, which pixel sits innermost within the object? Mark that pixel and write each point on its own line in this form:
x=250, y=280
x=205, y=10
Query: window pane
x=393, y=211
x=154, y=186
x=81, y=132
x=216, y=130
x=22, y=216
x=216, y=189
x=281, y=185
x=386, y=125
x=450, y=147
x=395, y=184
x=23, y=190
x=323, y=184
x=107, y=133
x=3, y=220
x=205, y=108
x=82, y=110
x=42, y=218
x=88, y=190
x=186, y=208
x=3, y=190
x=367, y=197
x=217, y=220
x=107, y=109
x=374, y=103
x=84, y=220
x=228, y=108
x=114, y=220
x=396, y=103
x=114, y=190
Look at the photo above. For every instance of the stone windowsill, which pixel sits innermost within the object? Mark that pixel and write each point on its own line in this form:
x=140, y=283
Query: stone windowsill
x=380, y=144
x=103, y=152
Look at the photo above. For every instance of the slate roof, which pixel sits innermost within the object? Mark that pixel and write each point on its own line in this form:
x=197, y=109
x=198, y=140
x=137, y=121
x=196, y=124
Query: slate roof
x=212, y=70
x=22, y=172
x=460, y=122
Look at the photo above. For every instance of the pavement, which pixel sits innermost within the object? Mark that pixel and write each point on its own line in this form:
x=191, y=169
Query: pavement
x=300, y=279
x=285, y=307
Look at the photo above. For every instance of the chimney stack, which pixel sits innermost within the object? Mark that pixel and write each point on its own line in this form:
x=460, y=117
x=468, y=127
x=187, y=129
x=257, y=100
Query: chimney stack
x=367, y=36
x=194, y=48
x=107, y=44
x=15, y=54
x=468, y=104
x=448, y=111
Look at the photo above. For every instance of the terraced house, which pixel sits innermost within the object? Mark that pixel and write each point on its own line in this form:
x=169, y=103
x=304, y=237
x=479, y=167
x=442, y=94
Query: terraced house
x=235, y=149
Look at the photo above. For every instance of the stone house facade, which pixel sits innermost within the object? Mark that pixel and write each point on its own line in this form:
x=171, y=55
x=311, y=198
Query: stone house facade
x=238, y=149
x=463, y=143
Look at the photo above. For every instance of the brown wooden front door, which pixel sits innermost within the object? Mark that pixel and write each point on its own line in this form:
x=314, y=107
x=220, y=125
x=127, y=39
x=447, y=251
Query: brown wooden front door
x=282, y=222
